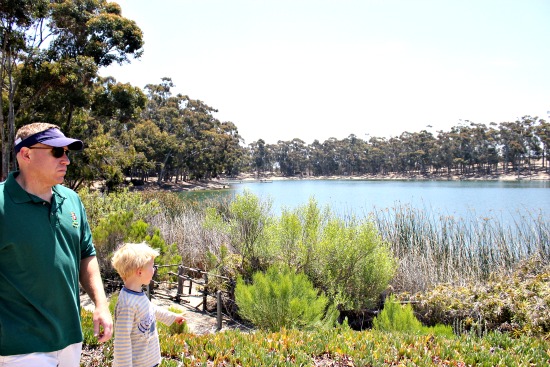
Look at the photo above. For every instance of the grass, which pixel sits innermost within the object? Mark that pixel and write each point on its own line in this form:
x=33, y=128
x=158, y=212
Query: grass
x=435, y=249
x=341, y=347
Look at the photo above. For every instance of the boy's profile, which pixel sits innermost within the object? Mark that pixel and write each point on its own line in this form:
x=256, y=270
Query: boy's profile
x=136, y=337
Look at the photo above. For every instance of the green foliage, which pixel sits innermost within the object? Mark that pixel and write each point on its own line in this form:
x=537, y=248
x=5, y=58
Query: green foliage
x=338, y=347
x=396, y=317
x=176, y=328
x=169, y=255
x=226, y=265
x=247, y=218
x=100, y=205
x=280, y=298
x=353, y=263
x=120, y=217
x=347, y=260
x=517, y=302
x=119, y=228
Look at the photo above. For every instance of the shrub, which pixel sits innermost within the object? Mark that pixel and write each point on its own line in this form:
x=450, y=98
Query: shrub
x=280, y=298
x=247, y=217
x=353, y=263
x=100, y=205
x=396, y=317
x=346, y=259
x=121, y=227
x=518, y=302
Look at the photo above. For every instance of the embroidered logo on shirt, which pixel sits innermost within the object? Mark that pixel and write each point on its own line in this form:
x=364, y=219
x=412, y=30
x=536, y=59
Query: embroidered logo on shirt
x=75, y=220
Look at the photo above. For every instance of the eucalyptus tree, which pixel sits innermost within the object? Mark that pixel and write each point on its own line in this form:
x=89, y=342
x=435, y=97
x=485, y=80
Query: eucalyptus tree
x=407, y=156
x=50, y=56
x=444, y=154
x=420, y=146
x=463, y=148
x=355, y=150
x=281, y=151
x=316, y=158
x=165, y=110
x=512, y=137
x=542, y=131
x=331, y=157
x=261, y=157
x=299, y=155
x=531, y=140
x=19, y=36
x=376, y=159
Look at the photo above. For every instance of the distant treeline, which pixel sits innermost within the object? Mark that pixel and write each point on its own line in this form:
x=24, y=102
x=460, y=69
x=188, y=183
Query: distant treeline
x=49, y=60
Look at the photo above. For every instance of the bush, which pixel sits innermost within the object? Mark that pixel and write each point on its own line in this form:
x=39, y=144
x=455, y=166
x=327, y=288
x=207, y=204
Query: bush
x=396, y=317
x=348, y=260
x=353, y=264
x=518, y=302
x=281, y=298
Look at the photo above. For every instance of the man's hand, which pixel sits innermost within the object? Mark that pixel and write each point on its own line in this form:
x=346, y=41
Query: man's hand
x=90, y=278
x=103, y=324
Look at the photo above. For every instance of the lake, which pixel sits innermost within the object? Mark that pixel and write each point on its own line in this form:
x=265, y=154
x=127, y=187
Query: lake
x=502, y=200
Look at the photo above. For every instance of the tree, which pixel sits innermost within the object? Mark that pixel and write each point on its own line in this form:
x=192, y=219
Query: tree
x=19, y=37
x=542, y=131
x=53, y=81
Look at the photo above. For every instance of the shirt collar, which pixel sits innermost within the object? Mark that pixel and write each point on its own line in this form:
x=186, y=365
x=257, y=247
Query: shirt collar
x=19, y=195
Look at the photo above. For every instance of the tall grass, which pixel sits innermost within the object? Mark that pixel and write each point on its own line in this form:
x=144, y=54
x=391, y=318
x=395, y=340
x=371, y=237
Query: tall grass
x=434, y=248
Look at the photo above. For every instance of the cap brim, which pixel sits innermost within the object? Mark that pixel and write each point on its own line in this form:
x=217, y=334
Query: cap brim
x=72, y=144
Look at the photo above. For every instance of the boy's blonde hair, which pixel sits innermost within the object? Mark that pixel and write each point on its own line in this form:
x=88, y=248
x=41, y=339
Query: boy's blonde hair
x=131, y=256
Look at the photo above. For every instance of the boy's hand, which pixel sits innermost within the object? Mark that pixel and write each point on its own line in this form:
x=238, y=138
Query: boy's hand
x=179, y=319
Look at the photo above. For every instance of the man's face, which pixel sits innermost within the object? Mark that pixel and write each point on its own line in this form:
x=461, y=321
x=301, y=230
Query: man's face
x=47, y=168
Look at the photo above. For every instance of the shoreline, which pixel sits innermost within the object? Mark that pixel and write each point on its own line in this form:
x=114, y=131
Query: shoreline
x=225, y=182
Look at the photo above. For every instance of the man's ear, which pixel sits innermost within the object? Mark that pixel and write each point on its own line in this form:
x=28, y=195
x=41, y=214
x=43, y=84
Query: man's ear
x=24, y=154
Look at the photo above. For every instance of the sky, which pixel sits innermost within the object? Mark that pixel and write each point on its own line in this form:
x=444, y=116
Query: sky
x=320, y=69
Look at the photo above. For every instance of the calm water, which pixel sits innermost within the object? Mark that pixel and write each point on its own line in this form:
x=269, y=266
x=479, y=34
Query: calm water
x=487, y=199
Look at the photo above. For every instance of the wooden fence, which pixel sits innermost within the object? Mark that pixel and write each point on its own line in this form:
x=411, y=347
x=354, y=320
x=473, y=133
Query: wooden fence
x=186, y=281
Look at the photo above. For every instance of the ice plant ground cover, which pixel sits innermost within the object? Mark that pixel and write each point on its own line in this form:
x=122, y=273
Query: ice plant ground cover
x=339, y=346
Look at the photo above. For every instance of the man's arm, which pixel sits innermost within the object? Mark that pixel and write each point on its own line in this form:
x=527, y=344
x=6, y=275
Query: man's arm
x=90, y=279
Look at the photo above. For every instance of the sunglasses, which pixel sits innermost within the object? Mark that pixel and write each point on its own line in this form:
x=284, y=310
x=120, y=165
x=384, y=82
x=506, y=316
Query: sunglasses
x=57, y=152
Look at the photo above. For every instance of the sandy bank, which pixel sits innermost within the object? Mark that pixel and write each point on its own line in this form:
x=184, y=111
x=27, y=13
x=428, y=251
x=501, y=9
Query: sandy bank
x=225, y=182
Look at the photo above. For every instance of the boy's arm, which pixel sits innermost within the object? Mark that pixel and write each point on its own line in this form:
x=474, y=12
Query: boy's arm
x=90, y=279
x=167, y=317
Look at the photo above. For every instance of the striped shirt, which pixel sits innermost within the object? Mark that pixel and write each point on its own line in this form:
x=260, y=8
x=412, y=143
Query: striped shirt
x=136, y=337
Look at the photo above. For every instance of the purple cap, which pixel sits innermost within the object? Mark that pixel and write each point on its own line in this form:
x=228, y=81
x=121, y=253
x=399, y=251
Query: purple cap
x=52, y=137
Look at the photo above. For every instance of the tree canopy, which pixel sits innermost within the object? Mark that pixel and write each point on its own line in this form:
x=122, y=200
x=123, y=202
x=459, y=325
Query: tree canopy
x=50, y=56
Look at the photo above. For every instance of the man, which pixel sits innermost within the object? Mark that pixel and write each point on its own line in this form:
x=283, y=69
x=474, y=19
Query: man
x=46, y=250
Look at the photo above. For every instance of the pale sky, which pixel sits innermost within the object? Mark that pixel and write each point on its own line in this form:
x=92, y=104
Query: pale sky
x=316, y=69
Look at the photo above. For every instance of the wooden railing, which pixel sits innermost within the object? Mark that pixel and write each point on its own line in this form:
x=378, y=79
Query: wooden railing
x=201, y=278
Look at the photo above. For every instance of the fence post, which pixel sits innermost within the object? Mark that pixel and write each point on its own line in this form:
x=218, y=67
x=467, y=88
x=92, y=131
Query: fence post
x=151, y=284
x=205, y=292
x=219, y=309
x=180, y=284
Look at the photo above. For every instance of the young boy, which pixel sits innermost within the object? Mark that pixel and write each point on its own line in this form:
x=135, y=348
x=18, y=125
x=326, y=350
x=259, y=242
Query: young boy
x=136, y=337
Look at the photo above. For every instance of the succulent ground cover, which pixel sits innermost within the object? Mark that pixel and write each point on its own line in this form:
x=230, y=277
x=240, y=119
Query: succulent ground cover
x=517, y=302
x=339, y=346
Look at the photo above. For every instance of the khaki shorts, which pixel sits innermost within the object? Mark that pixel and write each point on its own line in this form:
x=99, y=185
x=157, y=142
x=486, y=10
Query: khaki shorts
x=66, y=357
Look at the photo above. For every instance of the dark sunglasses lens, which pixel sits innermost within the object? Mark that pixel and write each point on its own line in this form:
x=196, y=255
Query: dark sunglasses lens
x=59, y=151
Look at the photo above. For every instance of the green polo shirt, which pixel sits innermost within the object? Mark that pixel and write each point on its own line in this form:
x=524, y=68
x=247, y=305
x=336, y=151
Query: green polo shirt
x=41, y=245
